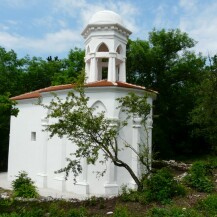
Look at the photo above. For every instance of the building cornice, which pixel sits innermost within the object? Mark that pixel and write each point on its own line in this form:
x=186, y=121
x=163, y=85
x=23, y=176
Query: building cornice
x=101, y=27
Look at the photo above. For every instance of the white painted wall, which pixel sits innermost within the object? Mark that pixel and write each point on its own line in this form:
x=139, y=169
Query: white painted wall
x=41, y=158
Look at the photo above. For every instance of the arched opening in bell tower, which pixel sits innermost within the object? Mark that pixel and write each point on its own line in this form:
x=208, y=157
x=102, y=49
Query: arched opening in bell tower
x=102, y=59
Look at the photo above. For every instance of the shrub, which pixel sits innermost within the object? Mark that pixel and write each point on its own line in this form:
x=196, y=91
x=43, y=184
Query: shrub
x=199, y=177
x=9, y=215
x=132, y=195
x=81, y=212
x=121, y=211
x=208, y=205
x=55, y=211
x=24, y=213
x=162, y=187
x=24, y=187
x=173, y=212
x=92, y=201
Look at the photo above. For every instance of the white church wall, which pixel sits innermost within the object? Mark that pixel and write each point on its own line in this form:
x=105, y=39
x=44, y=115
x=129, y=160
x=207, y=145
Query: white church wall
x=30, y=156
x=24, y=153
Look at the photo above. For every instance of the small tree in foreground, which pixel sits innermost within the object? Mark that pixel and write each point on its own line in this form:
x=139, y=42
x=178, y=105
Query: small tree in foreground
x=23, y=186
x=93, y=133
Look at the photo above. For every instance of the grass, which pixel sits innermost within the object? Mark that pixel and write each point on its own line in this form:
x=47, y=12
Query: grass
x=192, y=204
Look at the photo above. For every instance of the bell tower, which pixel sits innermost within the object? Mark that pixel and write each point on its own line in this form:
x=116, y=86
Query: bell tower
x=105, y=47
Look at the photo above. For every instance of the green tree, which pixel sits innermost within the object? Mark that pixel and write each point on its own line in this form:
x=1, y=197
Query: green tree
x=11, y=69
x=73, y=66
x=204, y=115
x=7, y=108
x=93, y=133
x=165, y=63
x=39, y=73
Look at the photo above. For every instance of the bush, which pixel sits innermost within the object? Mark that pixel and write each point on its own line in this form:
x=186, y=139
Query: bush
x=162, y=187
x=199, y=177
x=81, y=212
x=24, y=187
x=208, y=205
x=173, y=212
x=24, y=213
x=132, y=195
x=121, y=211
x=56, y=211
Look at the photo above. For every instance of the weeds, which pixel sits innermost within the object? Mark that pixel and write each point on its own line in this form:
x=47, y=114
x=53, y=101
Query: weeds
x=162, y=187
x=199, y=177
x=173, y=212
x=208, y=205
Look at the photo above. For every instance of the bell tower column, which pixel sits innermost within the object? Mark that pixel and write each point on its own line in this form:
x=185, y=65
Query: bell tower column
x=87, y=70
x=112, y=68
x=93, y=69
x=122, y=72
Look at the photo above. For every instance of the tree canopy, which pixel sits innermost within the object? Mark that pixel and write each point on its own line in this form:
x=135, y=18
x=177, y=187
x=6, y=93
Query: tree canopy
x=166, y=63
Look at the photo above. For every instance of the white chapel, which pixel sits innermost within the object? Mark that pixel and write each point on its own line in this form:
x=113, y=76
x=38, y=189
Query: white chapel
x=32, y=150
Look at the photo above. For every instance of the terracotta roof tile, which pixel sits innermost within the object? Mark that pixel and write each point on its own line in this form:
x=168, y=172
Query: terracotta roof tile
x=29, y=95
x=102, y=83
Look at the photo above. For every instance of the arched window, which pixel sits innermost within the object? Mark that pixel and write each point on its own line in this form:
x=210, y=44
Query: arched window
x=103, y=48
x=119, y=49
x=99, y=106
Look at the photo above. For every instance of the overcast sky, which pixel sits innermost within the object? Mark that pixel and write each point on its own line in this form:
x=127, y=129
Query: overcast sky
x=53, y=27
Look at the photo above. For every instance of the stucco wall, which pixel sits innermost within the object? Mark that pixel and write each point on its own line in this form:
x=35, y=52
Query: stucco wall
x=41, y=158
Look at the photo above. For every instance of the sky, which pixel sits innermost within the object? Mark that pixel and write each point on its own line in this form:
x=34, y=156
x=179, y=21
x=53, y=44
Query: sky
x=45, y=28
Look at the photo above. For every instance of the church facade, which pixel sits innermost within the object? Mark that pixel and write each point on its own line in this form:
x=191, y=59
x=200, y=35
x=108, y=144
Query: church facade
x=32, y=150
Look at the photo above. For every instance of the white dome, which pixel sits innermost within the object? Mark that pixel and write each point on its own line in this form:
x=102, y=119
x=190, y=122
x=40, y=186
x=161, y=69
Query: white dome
x=106, y=17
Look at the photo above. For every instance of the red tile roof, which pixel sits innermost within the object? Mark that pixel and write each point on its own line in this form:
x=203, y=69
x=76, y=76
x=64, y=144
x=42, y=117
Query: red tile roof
x=102, y=83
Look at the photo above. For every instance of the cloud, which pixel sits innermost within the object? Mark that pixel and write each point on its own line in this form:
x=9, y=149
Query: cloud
x=83, y=10
x=19, y=3
x=201, y=24
x=188, y=5
x=51, y=43
x=160, y=13
x=52, y=32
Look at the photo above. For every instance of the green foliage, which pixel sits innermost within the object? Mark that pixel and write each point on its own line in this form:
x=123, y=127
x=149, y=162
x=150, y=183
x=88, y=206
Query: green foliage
x=7, y=108
x=92, y=201
x=204, y=114
x=199, y=177
x=208, y=205
x=173, y=212
x=11, y=84
x=24, y=187
x=162, y=187
x=73, y=65
x=165, y=64
x=81, y=212
x=132, y=195
x=10, y=215
x=121, y=211
x=135, y=105
x=24, y=213
x=5, y=202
